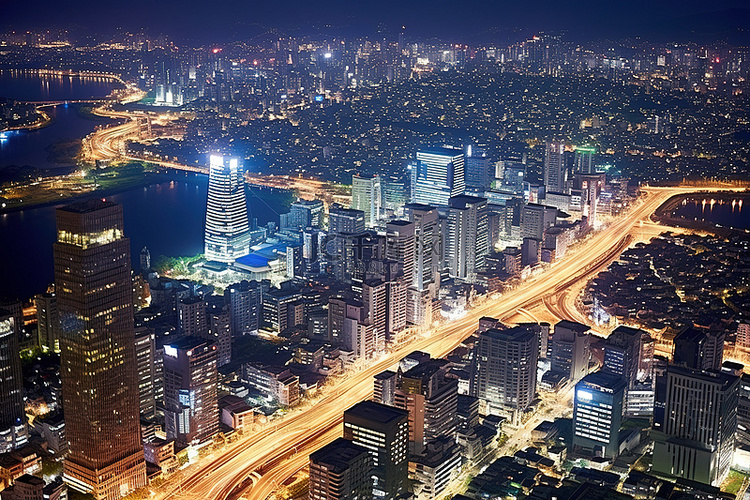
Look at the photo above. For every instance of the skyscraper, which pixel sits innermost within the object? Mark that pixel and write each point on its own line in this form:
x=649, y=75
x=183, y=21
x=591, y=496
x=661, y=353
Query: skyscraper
x=12, y=418
x=367, y=197
x=437, y=175
x=571, y=349
x=584, y=160
x=227, y=233
x=555, y=171
x=97, y=344
x=384, y=431
x=697, y=440
x=699, y=349
x=466, y=240
x=505, y=371
x=190, y=390
x=425, y=282
x=597, y=413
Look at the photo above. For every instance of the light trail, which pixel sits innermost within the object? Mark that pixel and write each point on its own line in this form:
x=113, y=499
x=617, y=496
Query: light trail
x=219, y=478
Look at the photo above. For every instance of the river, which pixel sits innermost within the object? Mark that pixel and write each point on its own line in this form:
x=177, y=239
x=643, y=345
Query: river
x=167, y=217
x=30, y=147
x=727, y=211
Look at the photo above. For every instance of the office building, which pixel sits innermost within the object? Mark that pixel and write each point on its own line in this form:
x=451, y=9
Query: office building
x=13, y=433
x=428, y=252
x=597, y=413
x=466, y=239
x=346, y=221
x=555, y=170
x=584, y=160
x=698, y=435
x=191, y=406
x=505, y=364
x=571, y=349
x=367, y=197
x=628, y=352
x=699, y=349
x=399, y=246
x=480, y=172
x=192, y=318
x=341, y=470
x=220, y=329
x=227, y=233
x=303, y=214
x=145, y=352
x=385, y=387
x=384, y=432
x=431, y=399
x=245, y=299
x=436, y=176
x=536, y=219
x=97, y=351
x=47, y=321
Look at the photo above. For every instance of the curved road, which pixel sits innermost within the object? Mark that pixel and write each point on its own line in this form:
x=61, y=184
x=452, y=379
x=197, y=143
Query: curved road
x=281, y=449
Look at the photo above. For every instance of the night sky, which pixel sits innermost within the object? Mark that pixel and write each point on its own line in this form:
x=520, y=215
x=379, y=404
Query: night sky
x=471, y=20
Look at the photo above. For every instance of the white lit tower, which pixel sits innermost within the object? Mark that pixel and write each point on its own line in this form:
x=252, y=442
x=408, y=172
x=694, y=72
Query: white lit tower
x=227, y=234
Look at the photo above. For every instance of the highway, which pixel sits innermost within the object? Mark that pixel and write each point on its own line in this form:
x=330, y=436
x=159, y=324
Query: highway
x=275, y=453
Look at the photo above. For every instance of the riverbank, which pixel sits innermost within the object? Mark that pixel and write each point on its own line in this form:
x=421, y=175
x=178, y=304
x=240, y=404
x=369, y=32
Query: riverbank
x=665, y=214
x=81, y=188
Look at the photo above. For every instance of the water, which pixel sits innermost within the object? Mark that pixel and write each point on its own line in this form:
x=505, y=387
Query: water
x=30, y=147
x=731, y=212
x=168, y=218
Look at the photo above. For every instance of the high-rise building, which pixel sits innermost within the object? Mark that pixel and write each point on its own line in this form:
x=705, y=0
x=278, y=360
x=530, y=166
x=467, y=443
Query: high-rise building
x=145, y=352
x=571, y=349
x=425, y=282
x=399, y=246
x=367, y=197
x=341, y=470
x=47, y=321
x=597, y=413
x=97, y=351
x=13, y=432
x=431, y=400
x=384, y=431
x=220, y=330
x=466, y=240
x=697, y=438
x=699, y=349
x=191, y=403
x=227, y=233
x=346, y=221
x=303, y=214
x=584, y=160
x=385, y=387
x=437, y=175
x=622, y=354
x=480, y=172
x=555, y=170
x=505, y=364
x=191, y=314
x=536, y=219
x=245, y=299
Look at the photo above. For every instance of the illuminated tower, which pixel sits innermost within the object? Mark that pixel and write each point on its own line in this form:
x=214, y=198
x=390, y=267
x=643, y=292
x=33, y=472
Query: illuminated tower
x=437, y=175
x=367, y=197
x=227, y=234
x=97, y=351
x=12, y=419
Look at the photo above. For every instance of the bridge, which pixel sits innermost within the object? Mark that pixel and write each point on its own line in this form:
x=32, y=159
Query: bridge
x=43, y=104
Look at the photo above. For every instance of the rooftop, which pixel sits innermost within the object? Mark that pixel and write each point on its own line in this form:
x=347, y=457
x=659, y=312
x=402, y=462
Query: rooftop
x=87, y=206
x=377, y=412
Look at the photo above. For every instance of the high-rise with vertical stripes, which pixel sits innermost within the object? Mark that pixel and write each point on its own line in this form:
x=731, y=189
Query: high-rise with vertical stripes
x=227, y=234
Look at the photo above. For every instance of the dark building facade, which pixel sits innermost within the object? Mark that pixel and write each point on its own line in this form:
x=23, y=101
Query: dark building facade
x=97, y=344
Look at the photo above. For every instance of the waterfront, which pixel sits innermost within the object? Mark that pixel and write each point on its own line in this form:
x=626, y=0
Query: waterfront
x=31, y=148
x=166, y=217
x=729, y=211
